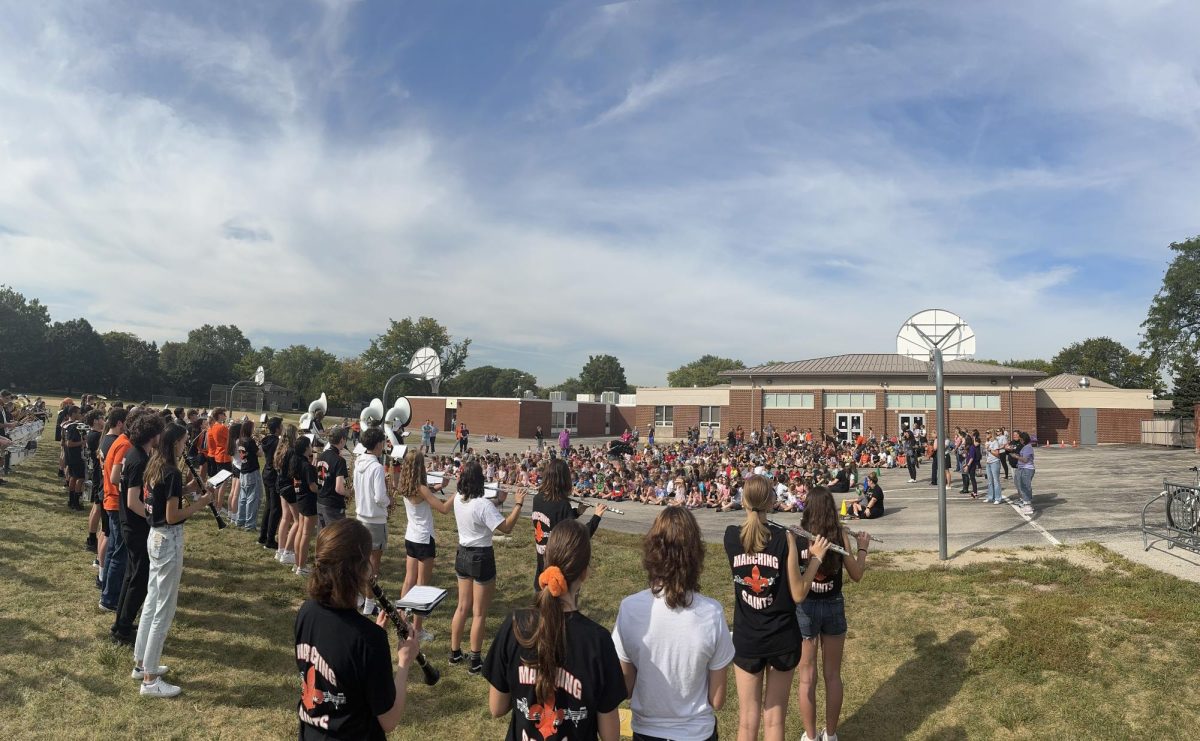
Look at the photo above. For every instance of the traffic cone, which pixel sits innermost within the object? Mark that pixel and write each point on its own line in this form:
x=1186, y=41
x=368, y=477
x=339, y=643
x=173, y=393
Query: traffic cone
x=844, y=513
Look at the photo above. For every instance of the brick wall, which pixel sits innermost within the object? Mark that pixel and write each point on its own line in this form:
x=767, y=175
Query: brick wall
x=536, y=412
x=496, y=416
x=1055, y=424
x=1121, y=425
x=432, y=408
x=590, y=422
x=622, y=417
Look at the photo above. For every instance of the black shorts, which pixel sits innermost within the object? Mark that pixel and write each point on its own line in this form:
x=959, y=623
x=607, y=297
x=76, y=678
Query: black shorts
x=422, y=551
x=212, y=467
x=307, y=504
x=784, y=662
x=288, y=493
x=76, y=469
x=96, y=493
x=103, y=519
x=477, y=564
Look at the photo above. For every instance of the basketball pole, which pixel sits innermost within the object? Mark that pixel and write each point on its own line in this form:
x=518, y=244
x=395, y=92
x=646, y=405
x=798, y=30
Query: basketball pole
x=940, y=448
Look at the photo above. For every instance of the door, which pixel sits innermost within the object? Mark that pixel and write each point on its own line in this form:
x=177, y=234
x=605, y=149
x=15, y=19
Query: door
x=911, y=422
x=1087, y=426
x=849, y=426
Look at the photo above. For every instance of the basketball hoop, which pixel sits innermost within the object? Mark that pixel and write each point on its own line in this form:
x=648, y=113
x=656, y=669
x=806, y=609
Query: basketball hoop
x=427, y=366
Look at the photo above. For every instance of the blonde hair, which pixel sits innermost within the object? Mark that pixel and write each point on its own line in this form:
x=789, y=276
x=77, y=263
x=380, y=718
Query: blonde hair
x=412, y=475
x=756, y=497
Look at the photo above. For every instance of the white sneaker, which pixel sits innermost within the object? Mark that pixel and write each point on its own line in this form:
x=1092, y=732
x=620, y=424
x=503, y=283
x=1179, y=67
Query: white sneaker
x=301, y=571
x=288, y=558
x=139, y=673
x=912, y=481
x=158, y=688
x=424, y=636
x=805, y=737
x=823, y=736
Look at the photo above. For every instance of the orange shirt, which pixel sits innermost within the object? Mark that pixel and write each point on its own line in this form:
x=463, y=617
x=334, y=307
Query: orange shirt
x=218, y=442
x=116, y=456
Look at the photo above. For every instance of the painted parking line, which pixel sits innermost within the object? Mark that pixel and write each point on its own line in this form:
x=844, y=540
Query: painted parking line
x=1045, y=533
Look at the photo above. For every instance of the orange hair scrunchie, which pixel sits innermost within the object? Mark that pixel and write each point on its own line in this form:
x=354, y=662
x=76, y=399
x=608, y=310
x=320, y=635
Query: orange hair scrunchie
x=552, y=579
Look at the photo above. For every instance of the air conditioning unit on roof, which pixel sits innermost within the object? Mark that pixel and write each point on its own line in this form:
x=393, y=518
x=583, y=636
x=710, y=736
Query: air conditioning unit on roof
x=556, y=396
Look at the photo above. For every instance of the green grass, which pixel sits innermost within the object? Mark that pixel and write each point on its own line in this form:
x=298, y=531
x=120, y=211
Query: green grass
x=1034, y=646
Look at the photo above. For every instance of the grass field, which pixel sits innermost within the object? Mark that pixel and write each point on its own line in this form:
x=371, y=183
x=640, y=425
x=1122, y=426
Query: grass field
x=1075, y=643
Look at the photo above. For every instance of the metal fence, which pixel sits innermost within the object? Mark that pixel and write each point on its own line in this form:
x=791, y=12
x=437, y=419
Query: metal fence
x=1173, y=433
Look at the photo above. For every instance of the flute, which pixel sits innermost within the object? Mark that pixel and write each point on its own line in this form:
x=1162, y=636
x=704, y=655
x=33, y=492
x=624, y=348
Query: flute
x=212, y=507
x=430, y=672
x=607, y=508
x=806, y=534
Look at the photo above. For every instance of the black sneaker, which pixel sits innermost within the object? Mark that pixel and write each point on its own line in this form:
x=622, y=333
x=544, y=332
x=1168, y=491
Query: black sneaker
x=457, y=657
x=476, y=666
x=90, y=544
x=122, y=639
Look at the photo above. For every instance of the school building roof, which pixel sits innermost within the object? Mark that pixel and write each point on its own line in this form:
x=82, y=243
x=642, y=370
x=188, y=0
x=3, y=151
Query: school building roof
x=878, y=364
x=1071, y=381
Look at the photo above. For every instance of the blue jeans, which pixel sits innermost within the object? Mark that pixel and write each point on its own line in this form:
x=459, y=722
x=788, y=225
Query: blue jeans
x=993, y=476
x=114, y=561
x=249, y=492
x=1025, y=484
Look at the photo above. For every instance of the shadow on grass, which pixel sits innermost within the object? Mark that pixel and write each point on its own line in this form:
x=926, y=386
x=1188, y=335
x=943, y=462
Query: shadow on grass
x=920, y=687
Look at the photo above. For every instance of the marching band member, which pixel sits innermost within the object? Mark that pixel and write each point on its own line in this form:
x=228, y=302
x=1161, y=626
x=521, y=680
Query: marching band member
x=553, y=668
x=304, y=483
x=217, y=439
x=273, y=509
x=348, y=688
x=289, y=517
x=673, y=642
x=551, y=505
x=372, y=505
x=475, y=563
x=822, y=614
x=165, y=514
x=420, y=548
x=767, y=585
x=144, y=431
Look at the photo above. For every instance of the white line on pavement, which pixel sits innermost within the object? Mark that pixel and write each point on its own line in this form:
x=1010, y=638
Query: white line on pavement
x=1045, y=533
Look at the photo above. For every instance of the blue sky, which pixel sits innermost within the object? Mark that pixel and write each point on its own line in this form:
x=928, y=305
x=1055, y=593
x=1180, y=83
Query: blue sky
x=650, y=179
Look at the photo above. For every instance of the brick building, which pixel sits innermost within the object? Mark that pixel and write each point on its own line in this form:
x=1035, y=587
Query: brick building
x=1080, y=409
x=847, y=394
x=520, y=418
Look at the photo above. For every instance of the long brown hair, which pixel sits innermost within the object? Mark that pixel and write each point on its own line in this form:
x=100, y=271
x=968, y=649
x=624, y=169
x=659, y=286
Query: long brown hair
x=756, y=497
x=821, y=518
x=673, y=556
x=341, y=564
x=286, y=441
x=162, y=459
x=543, y=628
x=412, y=475
x=556, y=480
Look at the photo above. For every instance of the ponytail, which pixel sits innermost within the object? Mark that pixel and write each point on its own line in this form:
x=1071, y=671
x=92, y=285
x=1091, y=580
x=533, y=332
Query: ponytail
x=756, y=497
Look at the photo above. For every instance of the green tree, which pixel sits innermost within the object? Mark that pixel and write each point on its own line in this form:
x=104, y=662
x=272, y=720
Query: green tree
x=1185, y=386
x=190, y=369
x=703, y=372
x=603, y=373
x=390, y=352
x=1172, y=326
x=348, y=383
x=75, y=355
x=133, y=370
x=570, y=388
x=1108, y=360
x=488, y=380
x=1034, y=364
x=513, y=382
x=23, y=327
x=303, y=369
x=248, y=364
x=229, y=344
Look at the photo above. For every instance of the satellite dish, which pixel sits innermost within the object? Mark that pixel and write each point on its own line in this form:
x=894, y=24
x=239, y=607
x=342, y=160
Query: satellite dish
x=426, y=364
x=935, y=328
x=260, y=376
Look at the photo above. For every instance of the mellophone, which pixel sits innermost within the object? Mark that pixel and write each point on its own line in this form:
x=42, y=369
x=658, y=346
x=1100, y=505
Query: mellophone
x=212, y=507
x=430, y=672
x=806, y=534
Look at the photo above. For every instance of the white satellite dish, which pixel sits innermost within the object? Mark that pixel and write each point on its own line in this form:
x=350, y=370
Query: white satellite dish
x=260, y=376
x=938, y=328
x=426, y=364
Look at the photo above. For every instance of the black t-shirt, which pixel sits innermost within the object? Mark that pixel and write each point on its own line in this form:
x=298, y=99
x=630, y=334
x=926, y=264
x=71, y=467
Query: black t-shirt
x=823, y=587
x=330, y=465
x=58, y=423
x=270, y=444
x=876, y=492
x=93, y=444
x=764, y=618
x=345, y=673
x=285, y=481
x=841, y=484
x=132, y=470
x=546, y=514
x=74, y=435
x=106, y=443
x=303, y=477
x=589, y=680
x=171, y=487
x=248, y=450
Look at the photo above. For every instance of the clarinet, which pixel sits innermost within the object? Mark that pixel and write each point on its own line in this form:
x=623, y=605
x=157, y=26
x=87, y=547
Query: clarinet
x=212, y=507
x=429, y=670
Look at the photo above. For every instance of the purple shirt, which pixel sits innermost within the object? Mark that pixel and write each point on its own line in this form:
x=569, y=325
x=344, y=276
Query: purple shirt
x=564, y=439
x=1027, y=453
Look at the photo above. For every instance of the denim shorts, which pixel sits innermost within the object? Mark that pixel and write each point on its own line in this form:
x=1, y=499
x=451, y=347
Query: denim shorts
x=826, y=617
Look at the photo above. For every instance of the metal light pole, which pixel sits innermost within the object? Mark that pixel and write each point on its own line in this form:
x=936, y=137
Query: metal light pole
x=939, y=383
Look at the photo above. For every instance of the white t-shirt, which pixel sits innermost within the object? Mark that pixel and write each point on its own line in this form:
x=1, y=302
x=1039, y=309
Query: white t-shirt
x=420, y=521
x=673, y=650
x=476, y=518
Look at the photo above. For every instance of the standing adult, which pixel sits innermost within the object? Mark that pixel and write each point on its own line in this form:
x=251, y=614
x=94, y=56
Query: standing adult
x=428, y=433
x=1025, y=470
x=331, y=478
x=541, y=438
x=992, y=460
x=767, y=586
x=673, y=642
x=970, y=463
x=464, y=437
x=911, y=453
x=564, y=442
x=1002, y=441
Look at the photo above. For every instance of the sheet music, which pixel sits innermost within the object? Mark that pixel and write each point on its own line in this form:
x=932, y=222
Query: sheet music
x=220, y=478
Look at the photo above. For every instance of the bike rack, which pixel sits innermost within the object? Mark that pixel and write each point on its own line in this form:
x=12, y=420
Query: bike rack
x=1153, y=532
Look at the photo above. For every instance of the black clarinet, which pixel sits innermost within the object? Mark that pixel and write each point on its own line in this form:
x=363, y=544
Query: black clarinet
x=212, y=507
x=429, y=670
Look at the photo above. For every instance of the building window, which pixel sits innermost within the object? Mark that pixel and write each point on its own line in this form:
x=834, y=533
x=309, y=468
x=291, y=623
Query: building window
x=664, y=416
x=849, y=401
x=988, y=402
x=710, y=416
x=912, y=401
x=559, y=420
x=788, y=401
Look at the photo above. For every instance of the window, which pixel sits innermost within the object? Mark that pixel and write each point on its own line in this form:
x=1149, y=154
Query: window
x=787, y=401
x=664, y=416
x=849, y=401
x=559, y=420
x=710, y=416
x=912, y=401
x=975, y=401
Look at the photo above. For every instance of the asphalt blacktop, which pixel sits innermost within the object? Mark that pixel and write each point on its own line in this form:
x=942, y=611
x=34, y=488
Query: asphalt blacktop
x=1080, y=494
